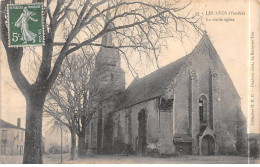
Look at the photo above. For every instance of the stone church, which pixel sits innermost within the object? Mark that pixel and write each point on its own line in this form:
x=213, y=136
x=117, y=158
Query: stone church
x=189, y=106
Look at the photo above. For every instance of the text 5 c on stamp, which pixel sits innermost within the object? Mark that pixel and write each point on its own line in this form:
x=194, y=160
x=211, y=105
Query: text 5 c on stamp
x=25, y=26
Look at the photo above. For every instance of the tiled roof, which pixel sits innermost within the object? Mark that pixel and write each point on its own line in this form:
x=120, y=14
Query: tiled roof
x=4, y=124
x=152, y=85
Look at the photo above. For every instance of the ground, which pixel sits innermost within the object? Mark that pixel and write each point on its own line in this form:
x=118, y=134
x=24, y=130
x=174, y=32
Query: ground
x=113, y=159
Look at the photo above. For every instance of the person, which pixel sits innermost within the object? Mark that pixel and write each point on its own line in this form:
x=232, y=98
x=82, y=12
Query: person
x=22, y=22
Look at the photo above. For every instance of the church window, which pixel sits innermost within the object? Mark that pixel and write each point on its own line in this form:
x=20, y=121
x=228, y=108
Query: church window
x=203, y=108
x=166, y=104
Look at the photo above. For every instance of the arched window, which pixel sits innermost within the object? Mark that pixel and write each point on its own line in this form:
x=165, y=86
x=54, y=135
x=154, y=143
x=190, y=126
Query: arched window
x=203, y=108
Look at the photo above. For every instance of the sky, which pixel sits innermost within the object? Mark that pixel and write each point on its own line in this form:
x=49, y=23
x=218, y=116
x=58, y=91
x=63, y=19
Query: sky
x=229, y=37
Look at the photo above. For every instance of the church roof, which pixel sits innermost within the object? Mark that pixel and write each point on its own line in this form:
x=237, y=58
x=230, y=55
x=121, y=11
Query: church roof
x=4, y=124
x=154, y=84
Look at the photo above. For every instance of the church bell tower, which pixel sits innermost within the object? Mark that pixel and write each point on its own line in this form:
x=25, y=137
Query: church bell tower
x=108, y=81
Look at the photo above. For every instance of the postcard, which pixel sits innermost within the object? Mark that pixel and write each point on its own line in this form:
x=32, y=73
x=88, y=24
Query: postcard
x=129, y=82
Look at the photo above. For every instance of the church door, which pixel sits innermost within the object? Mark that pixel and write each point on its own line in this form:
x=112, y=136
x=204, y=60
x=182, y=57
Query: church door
x=142, y=130
x=108, y=134
x=208, y=145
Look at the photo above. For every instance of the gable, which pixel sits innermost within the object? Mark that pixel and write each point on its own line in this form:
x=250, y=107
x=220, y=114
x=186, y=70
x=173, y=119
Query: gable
x=206, y=47
x=155, y=84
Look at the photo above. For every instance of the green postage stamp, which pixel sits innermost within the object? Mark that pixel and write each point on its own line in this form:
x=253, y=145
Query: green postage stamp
x=25, y=26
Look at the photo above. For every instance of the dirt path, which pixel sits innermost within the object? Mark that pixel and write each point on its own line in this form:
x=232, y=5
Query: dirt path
x=113, y=159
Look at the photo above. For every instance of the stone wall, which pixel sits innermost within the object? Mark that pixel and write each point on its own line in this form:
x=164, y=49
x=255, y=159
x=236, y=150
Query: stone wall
x=224, y=100
x=194, y=111
x=165, y=133
x=204, y=74
x=152, y=135
x=159, y=136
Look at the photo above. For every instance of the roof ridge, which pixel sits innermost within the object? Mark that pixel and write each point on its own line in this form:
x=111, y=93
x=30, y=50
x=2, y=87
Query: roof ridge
x=5, y=124
x=135, y=80
x=205, y=35
x=154, y=84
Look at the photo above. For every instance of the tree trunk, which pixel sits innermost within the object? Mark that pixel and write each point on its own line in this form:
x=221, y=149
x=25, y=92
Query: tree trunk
x=81, y=145
x=33, y=132
x=73, y=153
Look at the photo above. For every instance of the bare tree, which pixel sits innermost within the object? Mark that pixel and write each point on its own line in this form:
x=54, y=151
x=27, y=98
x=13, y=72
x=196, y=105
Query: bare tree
x=75, y=96
x=71, y=25
x=68, y=101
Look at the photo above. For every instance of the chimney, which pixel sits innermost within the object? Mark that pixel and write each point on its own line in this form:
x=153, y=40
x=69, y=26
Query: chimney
x=18, y=122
